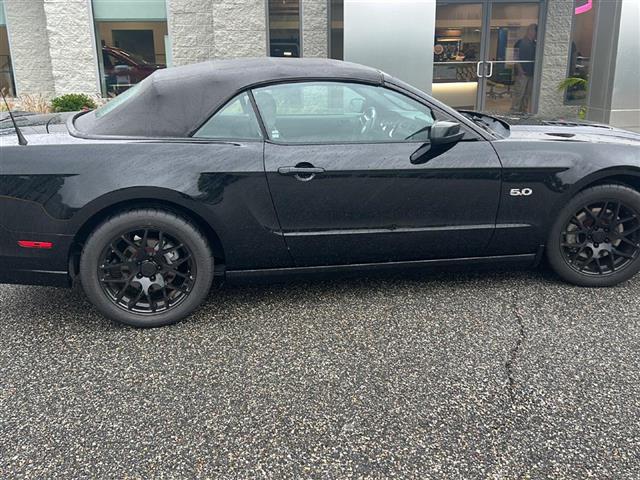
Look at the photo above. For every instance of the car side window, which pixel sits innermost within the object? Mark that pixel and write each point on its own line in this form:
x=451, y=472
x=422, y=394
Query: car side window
x=235, y=121
x=336, y=112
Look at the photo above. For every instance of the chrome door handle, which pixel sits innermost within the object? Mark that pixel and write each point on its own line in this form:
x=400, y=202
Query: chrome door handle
x=490, y=69
x=478, y=74
x=300, y=170
x=303, y=172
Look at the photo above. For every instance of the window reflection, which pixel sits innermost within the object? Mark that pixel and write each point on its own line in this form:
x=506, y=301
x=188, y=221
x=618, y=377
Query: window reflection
x=336, y=29
x=284, y=28
x=512, y=51
x=456, y=53
x=129, y=52
x=580, y=51
x=6, y=71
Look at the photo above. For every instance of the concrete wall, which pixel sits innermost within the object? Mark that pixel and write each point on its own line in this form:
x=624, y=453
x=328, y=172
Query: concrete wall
x=52, y=47
x=204, y=29
x=314, y=28
x=190, y=24
x=72, y=46
x=240, y=28
x=29, y=42
x=556, y=46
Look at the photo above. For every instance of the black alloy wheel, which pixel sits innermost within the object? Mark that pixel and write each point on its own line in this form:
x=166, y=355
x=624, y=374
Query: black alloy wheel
x=146, y=267
x=147, y=271
x=596, y=239
x=602, y=238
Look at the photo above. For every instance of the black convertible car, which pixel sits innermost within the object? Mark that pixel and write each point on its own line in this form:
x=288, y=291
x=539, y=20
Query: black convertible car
x=273, y=166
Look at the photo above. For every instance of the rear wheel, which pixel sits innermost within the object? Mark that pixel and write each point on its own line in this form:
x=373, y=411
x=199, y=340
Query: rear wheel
x=146, y=268
x=595, y=241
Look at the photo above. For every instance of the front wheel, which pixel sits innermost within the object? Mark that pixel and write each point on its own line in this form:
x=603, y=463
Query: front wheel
x=595, y=242
x=146, y=268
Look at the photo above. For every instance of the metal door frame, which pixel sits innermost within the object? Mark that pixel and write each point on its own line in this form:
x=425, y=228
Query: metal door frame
x=485, y=39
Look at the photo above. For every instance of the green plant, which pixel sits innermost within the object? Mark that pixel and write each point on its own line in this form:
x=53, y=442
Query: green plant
x=72, y=102
x=573, y=84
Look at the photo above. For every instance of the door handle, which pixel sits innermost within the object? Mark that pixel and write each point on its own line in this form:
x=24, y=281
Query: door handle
x=303, y=172
x=490, y=70
x=300, y=170
x=478, y=65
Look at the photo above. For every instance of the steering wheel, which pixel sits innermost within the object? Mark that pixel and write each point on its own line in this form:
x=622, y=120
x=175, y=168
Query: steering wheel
x=368, y=119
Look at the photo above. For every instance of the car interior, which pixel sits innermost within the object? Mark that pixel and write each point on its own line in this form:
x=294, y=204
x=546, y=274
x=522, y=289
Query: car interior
x=320, y=112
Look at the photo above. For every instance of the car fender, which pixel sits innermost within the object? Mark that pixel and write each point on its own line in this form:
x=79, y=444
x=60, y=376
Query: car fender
x=121, y=199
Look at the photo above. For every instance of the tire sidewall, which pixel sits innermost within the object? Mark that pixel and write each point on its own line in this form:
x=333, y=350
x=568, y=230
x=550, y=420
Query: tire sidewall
x=171, y=224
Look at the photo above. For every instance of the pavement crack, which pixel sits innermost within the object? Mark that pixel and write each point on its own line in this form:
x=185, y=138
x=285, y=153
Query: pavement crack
x=514, y=352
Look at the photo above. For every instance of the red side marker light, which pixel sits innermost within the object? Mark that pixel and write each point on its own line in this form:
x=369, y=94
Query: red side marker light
x=32, y=244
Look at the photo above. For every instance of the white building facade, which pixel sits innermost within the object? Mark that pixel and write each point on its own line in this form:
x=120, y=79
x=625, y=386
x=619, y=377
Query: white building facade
x=493, y=55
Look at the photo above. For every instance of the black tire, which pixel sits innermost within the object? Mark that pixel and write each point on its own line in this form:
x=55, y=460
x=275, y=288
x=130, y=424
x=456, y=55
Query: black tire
x=595, y=242
x=171, y=264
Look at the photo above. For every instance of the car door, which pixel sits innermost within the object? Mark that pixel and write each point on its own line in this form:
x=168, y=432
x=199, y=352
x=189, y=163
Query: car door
x=232, y=186
x=338, y=164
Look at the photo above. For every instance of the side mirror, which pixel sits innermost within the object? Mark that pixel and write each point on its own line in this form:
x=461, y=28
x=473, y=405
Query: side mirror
x=444, y=132
x=443, y=135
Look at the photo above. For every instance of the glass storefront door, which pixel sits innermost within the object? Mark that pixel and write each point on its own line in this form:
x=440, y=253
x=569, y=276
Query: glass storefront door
x=485, y=54
x=511, y=57
x=457, y=54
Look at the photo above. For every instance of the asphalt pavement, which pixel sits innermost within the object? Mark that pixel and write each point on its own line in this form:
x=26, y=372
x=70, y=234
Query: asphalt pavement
x=447, y=375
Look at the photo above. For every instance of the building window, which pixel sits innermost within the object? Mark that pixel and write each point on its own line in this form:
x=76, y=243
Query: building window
x=580, y=51
x=6, y=71
x=336, y=29
x=284, y=28
x=132, y=41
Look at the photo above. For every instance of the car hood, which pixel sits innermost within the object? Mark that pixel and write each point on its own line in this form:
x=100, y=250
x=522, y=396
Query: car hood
x=540, y=128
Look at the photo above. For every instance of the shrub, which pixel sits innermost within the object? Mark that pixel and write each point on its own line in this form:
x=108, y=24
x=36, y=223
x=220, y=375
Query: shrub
x=72, y=102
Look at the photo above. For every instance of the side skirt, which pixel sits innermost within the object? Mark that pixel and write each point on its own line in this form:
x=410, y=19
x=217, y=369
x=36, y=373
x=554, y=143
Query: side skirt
x=241, y=276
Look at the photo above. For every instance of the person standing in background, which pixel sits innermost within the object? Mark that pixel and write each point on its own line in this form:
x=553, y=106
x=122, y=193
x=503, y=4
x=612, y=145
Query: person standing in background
x=525, y=51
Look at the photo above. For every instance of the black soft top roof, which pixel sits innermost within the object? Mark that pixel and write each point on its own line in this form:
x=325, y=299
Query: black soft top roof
x=173, y=102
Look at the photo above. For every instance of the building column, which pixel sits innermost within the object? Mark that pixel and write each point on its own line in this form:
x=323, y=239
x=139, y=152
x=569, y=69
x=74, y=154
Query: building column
x=190, y=25
x=614, y=85
x=74, y=63
x=240, y=28
x=201, y=30
x=29, y=45
x=557, y=42
x=314, y=28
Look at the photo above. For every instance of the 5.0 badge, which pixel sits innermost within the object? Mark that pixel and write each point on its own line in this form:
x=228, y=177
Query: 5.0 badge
x=520, y=192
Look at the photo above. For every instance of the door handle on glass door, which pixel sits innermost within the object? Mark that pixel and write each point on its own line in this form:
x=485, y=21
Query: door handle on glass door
x=490, y=70
x=478, y=74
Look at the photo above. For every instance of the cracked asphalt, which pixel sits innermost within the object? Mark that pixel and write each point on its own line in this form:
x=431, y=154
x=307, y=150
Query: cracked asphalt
x=442, y=375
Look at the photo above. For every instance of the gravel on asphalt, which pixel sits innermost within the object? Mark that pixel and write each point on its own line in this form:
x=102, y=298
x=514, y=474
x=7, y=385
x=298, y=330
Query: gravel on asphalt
x=442, y=375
